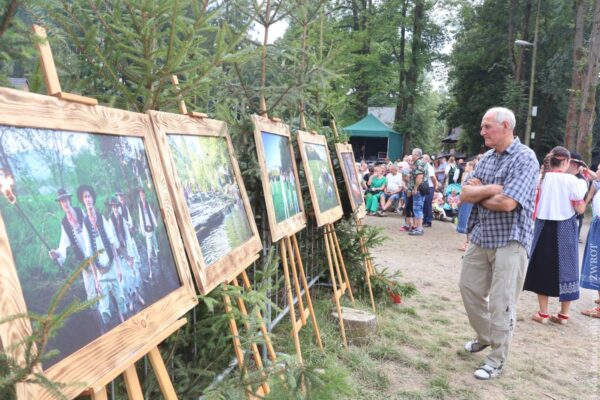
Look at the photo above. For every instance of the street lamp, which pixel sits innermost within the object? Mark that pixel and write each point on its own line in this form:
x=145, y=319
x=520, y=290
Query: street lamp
x=525, y=43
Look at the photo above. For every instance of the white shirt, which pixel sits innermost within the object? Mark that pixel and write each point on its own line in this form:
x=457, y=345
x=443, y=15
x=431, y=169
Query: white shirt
x=431, y=173
x=596, y=200
x=394, y=182
x=557, y=192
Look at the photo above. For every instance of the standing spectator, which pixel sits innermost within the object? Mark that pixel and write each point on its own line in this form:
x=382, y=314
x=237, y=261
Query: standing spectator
x=465, y=208
x=553, y=268
x=377, y=184
x=576, y=167
x=433, y=183
x=590, y=274
x=393, y=190
x=440, y=171
x=502, y=189
x=408, y=208
x=418, y=175
x=452, y=172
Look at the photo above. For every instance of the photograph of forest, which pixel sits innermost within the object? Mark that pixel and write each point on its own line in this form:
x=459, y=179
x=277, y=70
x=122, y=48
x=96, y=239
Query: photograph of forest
x=349, y=168
x=282, y=179
x=212, y=194
x=322, y=176
x=69, y=196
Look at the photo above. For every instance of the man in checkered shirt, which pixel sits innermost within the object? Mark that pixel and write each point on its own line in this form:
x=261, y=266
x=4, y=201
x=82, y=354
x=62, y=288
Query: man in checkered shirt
x=501, y=228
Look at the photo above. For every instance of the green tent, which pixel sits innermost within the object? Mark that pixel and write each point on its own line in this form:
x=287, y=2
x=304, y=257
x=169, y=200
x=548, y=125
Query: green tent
x=372, y=140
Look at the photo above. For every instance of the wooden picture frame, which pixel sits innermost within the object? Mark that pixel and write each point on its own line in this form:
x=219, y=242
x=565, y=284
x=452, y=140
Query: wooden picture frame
x=116, y=347
x=345, y=156
x=279, y=226
x=308, y=141
x=227, y=263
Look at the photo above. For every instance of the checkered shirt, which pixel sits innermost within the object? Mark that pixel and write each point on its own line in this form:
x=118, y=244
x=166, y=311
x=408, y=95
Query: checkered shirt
x=517, y=170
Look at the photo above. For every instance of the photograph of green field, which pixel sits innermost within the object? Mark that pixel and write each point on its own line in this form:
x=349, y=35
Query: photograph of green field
x=324, y=184
x=282, y=179
x=69, y=196
x=212, y=194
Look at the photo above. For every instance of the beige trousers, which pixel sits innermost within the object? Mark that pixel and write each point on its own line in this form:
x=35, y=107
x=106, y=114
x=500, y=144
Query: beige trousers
x=491, y=281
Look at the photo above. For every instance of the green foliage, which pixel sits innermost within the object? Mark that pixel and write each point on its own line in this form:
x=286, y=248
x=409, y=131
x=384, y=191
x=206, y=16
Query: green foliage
x=32, y=348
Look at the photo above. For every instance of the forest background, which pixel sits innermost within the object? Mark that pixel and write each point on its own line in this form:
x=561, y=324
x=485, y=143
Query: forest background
x=441, y=64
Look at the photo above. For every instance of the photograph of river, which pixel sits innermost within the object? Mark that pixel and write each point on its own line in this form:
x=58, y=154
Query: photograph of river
x=212, y=194
x=282, y=179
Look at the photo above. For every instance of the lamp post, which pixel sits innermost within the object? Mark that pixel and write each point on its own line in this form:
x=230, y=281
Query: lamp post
x=527, y=136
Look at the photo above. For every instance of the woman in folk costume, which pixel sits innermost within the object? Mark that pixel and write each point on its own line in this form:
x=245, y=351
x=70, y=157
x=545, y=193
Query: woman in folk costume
x=590, y=274
x=554, y=265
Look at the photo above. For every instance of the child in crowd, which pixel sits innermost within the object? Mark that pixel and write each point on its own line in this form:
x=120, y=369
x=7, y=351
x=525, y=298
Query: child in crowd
x=438, y=204
x=453, y=201
x=590, y=276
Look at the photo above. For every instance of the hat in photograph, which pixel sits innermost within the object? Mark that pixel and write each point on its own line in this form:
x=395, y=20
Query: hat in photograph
x=86, y=188
x=62, y=194
x=113, y=201
x=119, y=193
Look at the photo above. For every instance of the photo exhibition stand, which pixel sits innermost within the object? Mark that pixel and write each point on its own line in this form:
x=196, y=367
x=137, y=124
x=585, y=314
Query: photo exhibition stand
x=358, y=219
x=289, y=253
x=97, y=390
x=264, y=388
x=335, y=260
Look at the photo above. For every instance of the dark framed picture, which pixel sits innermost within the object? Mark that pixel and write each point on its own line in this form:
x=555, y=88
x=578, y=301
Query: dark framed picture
x=210, y=198
x=351, y=177
x=83, y=183
x=320, y=178
x=279, y=177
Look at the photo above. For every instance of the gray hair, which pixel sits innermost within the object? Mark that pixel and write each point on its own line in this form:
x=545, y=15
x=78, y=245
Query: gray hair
x=418, y=152
x=503, y=114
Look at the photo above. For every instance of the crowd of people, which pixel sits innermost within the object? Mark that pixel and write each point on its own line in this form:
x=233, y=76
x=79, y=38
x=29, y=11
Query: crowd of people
x=419, y=187
x=522, y=223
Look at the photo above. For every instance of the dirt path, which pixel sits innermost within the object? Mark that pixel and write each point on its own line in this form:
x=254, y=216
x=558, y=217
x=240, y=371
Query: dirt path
x=546, y=362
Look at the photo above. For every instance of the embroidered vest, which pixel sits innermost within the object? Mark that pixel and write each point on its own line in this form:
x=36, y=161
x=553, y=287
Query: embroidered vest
x=103, y=237
x=146, y=217
x=70, y=231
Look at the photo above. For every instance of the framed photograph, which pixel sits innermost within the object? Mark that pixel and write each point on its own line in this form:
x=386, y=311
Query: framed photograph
x=319, y=175
x=213, y=211
x=351, y=178
x=84, y=183
x=281, y=186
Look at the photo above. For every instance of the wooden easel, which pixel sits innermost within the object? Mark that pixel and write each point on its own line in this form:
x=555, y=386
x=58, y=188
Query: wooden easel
x=97, y=391
x=368, y=262
x=264, y=388
x=292, y=263
x=335, y=260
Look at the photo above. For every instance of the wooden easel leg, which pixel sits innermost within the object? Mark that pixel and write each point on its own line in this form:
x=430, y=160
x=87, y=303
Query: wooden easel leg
x=263, y=327
x=290, y=296
x=336, y=296
x=237, y=345
x=342, y=264
x=99, y=395
x=162, y=375
x=294, y=271
x=329, y=240
x=253, y=345
x=132, y=383
x=311, y=310
x=366, y=261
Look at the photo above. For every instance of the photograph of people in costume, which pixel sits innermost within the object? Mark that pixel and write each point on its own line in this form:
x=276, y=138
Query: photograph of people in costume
x=212, y=194
x=318, y=162
x=282, y=179
x=69, y=197
x=349, y=167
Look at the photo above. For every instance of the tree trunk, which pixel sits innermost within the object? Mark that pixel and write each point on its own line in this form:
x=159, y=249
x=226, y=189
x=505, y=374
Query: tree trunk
x=401, y=70
x=412, y=77
x=576, y=76
x=524, y=35
x=588, y=93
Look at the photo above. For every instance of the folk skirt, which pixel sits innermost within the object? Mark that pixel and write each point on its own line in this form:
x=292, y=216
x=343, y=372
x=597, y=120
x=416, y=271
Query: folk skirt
x=554, y=265
x=590, y=274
